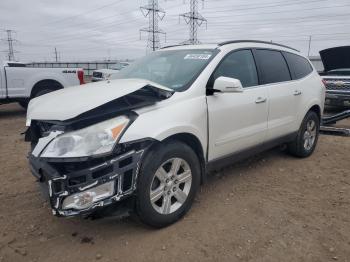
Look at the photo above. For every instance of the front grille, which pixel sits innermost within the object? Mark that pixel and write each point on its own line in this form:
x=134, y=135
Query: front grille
x=337, y=84
x=97, y=74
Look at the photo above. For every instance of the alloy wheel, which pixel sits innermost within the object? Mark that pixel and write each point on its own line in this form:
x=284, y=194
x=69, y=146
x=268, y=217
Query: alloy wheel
x=310, y=134
x=170, y=186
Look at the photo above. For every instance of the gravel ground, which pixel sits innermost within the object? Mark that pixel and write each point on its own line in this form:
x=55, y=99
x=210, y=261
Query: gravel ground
x=271, y=207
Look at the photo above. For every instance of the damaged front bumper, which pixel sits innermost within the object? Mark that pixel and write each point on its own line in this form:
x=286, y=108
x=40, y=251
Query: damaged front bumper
x=60, y=178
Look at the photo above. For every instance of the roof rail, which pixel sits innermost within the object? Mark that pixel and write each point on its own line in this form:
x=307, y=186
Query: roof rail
x=255, y=41
x=169, y=46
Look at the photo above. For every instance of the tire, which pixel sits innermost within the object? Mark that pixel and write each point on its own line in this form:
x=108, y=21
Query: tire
x=169, y=202
x=306, y=140
x=43, y=92
x=24, y=103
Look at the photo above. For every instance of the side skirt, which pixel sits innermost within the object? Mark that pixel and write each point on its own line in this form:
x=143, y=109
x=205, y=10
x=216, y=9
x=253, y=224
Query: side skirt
x=246, y=153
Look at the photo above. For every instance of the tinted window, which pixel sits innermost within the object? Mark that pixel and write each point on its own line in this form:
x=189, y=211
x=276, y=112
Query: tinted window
x=272, y=66
x=239, y=65
x=298, y=65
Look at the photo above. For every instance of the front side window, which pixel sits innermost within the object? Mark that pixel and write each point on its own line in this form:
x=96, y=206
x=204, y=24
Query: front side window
x=298, y=65
x=240, y=65
x=175, y=69
x=272, y=66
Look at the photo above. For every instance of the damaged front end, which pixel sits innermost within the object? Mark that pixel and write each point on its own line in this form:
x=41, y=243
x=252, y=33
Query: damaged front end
x=79, y=186
x=79, y=163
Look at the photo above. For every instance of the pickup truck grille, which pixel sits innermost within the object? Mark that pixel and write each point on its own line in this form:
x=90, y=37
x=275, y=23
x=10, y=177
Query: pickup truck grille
x=337, y=84
x=97, y=74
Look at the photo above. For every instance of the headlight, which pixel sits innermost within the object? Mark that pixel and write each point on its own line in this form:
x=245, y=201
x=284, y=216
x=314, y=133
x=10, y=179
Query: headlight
x=93, y=140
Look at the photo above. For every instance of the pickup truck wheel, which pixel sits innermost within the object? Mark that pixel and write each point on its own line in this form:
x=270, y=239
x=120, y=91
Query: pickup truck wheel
x=167, y=184
x=306, y=140
x=43, y=92
x=24, y=103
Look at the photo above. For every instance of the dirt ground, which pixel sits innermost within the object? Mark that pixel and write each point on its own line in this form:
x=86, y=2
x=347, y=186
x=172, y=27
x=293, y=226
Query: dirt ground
x=272, y=207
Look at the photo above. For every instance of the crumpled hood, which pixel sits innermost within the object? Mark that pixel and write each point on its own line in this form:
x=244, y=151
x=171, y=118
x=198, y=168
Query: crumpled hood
x=70, y=102
x=336, y=58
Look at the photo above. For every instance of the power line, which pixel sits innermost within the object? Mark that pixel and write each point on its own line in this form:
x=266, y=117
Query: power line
x=194, y=19
x=284, y=11
x=153, y=12
x=83, y=13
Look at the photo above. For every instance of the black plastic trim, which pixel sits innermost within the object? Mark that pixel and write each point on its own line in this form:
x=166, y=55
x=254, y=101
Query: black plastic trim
x=243, y=154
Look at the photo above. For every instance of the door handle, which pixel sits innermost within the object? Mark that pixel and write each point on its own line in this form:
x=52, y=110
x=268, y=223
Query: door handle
x=297, y=92
x=260, y=100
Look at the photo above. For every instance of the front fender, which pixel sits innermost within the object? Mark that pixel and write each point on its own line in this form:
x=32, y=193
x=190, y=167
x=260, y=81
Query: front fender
x=169, y=118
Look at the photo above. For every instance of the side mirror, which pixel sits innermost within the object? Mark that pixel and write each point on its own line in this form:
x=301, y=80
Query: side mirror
x=227, y=85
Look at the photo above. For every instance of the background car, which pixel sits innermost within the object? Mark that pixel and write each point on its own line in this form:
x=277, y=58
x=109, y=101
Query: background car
x=105, y=74
x=336, y=76
x=20, y=83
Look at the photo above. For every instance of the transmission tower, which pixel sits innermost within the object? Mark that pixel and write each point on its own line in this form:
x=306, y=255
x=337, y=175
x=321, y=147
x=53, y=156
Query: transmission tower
x=10, y=52
x=154, y=14
x=195, y=20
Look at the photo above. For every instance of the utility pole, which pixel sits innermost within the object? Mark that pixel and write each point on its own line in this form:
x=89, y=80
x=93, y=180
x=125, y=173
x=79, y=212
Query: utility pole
x=310, y=39
x=56, y=55
x=10, y=52
x=194, y=19
x=154, y=14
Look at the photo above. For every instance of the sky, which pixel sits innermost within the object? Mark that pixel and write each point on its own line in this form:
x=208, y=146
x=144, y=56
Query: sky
x=109, y=29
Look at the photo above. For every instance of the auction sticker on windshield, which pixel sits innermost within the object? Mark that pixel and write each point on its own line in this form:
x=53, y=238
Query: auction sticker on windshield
x=198, y=56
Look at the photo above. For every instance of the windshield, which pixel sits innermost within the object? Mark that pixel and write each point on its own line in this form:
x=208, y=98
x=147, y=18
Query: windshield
x=175, y=69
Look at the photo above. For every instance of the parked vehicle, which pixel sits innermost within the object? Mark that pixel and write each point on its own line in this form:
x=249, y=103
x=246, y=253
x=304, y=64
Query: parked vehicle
x=336, y=75
x=19, y=83
x=105, y=74
x=148, y=139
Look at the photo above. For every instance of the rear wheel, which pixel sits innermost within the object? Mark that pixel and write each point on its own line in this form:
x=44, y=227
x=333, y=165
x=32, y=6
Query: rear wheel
x=24, y=103
x=44, y=87
x=43, y=92
x=306, y=140
x=167, y=184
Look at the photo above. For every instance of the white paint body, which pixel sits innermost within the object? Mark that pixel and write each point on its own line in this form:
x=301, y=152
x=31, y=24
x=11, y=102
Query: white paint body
x=19, y=81
x=224, y=123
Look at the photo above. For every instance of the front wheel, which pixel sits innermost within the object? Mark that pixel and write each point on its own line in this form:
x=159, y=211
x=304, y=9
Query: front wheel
x=306, y=140
x=167, y=184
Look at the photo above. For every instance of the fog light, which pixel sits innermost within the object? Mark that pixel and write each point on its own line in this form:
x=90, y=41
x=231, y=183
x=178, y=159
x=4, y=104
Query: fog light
x=86, y=198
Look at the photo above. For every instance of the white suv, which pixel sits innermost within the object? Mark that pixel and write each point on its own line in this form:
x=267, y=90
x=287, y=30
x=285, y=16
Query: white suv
x=146, y=141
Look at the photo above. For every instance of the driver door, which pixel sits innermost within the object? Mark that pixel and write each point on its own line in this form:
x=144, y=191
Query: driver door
x=237, y=121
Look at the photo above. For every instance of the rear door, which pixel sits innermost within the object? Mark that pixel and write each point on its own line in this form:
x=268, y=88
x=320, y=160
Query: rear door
x=283, y=94
x=16, y=77
x=237, y=121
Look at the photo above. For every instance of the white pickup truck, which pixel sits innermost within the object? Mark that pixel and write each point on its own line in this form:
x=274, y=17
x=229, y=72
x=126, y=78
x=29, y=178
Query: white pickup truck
x=20, y=83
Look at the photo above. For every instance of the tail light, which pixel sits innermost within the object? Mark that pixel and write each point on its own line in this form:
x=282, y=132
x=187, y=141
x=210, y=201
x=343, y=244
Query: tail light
x=81, y=76
x=324, y=83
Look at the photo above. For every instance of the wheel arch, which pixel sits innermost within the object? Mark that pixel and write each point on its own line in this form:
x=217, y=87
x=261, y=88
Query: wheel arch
x=51, y=83
x=194, y=143
x=317, y=109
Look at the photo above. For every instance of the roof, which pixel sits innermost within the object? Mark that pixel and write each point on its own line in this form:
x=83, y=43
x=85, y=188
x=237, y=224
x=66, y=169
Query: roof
x=213, y=46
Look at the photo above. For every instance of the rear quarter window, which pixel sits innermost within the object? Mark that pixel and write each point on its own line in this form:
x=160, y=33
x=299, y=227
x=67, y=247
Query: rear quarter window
x=272, y=66
x=298, y=65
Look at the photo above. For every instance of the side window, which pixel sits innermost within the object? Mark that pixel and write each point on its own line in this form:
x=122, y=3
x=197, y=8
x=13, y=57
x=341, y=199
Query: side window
x=272, y=66
x=239, y=65
x=299, y=66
